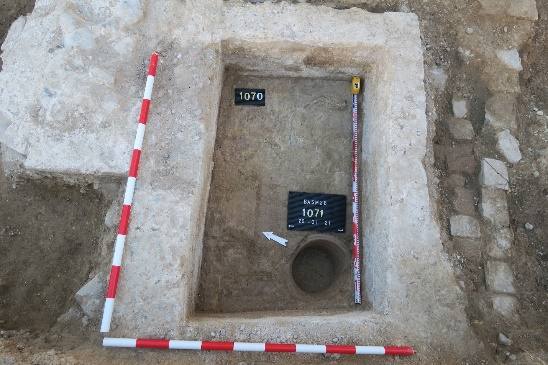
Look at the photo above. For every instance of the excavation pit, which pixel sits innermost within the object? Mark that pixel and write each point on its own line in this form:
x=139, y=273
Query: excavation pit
x=406, y=278
x=84, y=107
x=300, y=140
x=318, y=264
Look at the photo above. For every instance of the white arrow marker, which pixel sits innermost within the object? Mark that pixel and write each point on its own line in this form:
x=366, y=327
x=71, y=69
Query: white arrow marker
x=273, y=237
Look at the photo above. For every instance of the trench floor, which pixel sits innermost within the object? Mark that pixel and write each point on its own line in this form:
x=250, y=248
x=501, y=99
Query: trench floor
x=299, y=141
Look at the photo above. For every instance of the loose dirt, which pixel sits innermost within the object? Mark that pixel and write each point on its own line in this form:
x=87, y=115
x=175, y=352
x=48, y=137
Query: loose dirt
x=49, y=243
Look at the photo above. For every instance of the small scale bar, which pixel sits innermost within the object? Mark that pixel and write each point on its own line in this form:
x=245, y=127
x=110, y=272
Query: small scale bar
x=257, y=347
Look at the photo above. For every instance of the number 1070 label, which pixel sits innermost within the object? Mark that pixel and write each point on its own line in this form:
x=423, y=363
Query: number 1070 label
x=254, y=97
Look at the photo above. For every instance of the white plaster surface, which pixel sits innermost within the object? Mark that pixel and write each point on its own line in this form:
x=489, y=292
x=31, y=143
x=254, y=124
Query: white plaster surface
x=71, y=109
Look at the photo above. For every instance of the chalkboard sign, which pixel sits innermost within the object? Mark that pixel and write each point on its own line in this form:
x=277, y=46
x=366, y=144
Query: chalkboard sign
x=255, y=97
x=316, y=212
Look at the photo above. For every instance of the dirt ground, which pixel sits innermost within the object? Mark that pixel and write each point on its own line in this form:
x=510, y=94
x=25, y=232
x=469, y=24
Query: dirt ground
x=49, y=244
x=49, y=231
x=249, y=193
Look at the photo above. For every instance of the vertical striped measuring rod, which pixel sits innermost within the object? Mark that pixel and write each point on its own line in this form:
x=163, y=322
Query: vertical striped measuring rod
x=356, y=256
x=128, y=198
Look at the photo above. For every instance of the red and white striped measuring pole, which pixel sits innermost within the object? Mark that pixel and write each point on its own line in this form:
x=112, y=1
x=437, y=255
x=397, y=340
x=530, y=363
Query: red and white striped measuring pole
x=128, y=198
x=356, y=257
x=257, y=347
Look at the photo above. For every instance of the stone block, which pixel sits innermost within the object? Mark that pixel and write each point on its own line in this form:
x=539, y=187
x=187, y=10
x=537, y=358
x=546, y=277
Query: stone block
x=495, y=252
x=438, y=75
x=504, y=305
x=460, y=129
x=500, y=245
x=510, y=58
x=494, y=174
x=460, y=107
x=499, y=277
x=500, y=79
x=464, y=226
x=504, y=340
x=90, y=297
x=508, y=146
x=500, y=112
x=464, y=201
x=494, y=207
x=504, y=238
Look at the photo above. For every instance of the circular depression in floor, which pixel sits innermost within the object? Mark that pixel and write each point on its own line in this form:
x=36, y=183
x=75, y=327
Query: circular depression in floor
x=317, y=264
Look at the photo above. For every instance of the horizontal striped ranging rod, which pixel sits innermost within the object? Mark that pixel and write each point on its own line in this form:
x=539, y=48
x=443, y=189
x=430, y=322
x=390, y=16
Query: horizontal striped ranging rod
x=256, y=347
x=128, y=198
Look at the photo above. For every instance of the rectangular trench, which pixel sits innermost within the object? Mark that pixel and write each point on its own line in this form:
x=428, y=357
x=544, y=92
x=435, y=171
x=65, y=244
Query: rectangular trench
x=299, y=141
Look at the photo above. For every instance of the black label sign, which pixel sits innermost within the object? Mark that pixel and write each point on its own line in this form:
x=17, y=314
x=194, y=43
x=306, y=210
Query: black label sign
x=316, y=212
x=254, y=97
